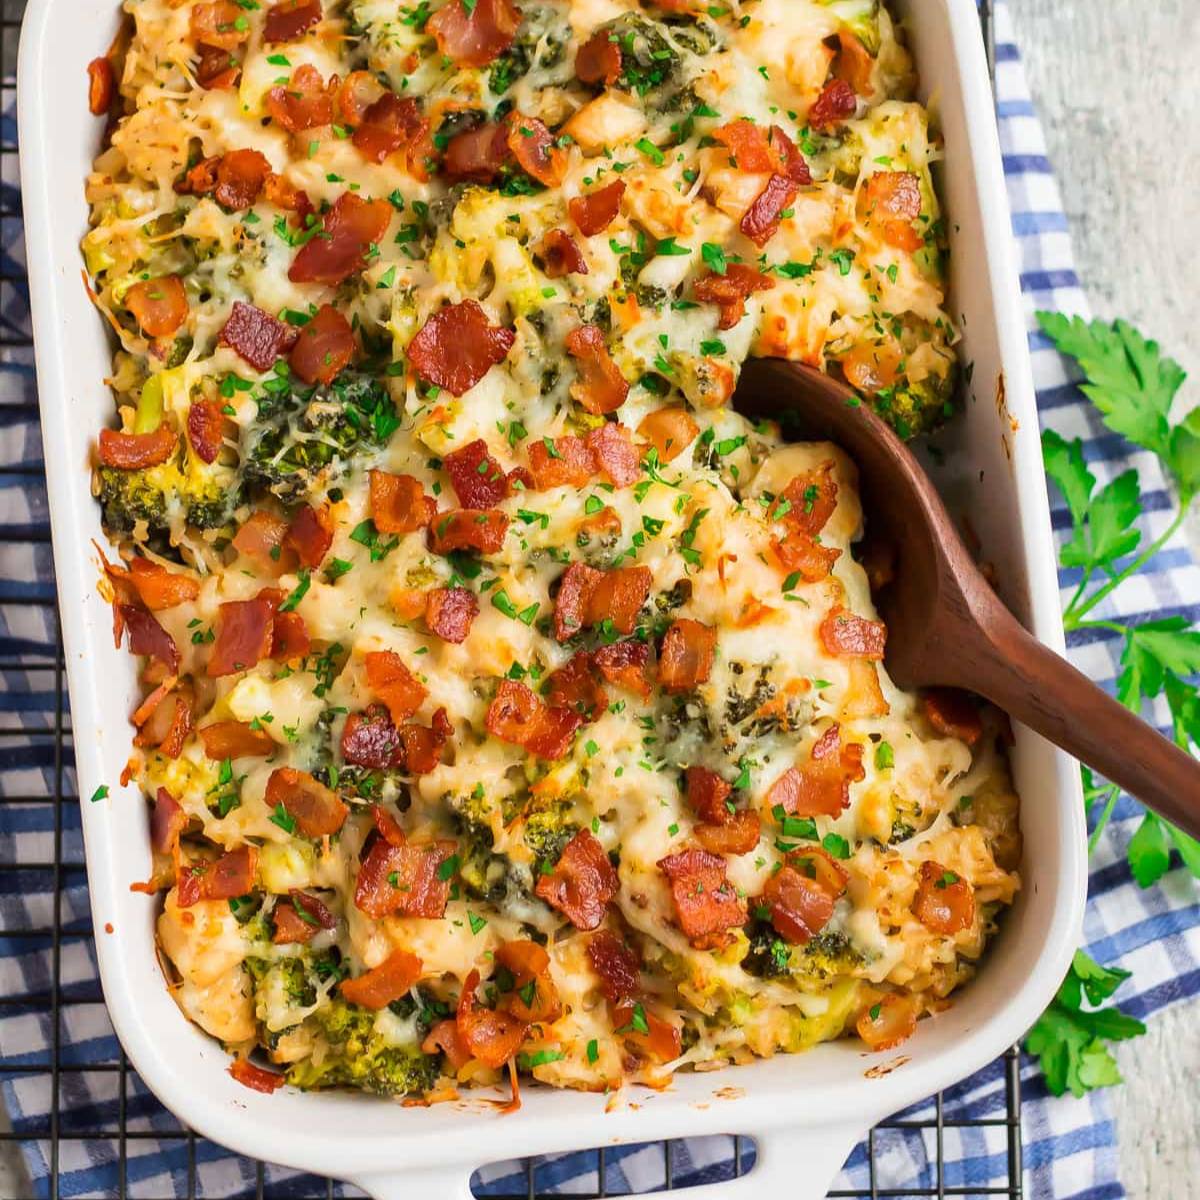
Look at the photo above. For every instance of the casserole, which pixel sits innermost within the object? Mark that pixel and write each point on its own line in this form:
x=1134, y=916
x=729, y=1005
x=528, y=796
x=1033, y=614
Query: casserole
x=1046, y=921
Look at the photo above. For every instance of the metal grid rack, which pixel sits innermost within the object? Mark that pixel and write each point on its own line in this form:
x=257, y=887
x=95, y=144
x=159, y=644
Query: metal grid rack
x=58, y=1056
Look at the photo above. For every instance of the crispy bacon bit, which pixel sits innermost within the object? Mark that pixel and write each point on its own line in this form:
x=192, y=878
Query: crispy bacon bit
x=148, y=637
x=616, y=964
x=325, y=345
x=822, y=786
x=286, y=195
x=379, y=986
x=389, y=123
x=737, y=835
x=477, y=478
x=836, y=103
x=261, y=537
x=565, y=462
x=791, y=161
x=289, y=637
x=369, y=739
x=561, y=255
x=582, y=883
x=399, y=503
x=686, y=658
x=595, y=212
x=853, y=63
x=477, y=154
x=473, y=35
x=761, y=220
x=953, y=713
x=423, y=745
x=443, y=1038
x=468, y=529
x=131, y=451
x=258, y=337
x=707, y=794
x=358, y=91
x=450, y=611
x=257, y=1079
x=235, y=739
x=849, y=636
x=311, y=534
x=205, y=426
x=102, y=86
x=491, y=1037
x=888, y=1022
x=944, y=901
x=601, y=388
x=458, y=345
x=225, y=878
x=218, y=23
x=300, y=919
x=624, y=664
x=576, y=687
x=533, y=996
x=587, y=596
x=748, y=144
x=404, y=878
x=158, y=305
x=517, y=716
x=394, y=684
x=706, y=903
x=216, y=68
x=316, y=810
x=240, y=178
x=160, y=588
x=167, y=822
x=729, y=291
x=351, y=227
x=799, y=906
x=244, y=630
x=616, y=457
x=669, y=430
x=598, y=60
x=890, y=202
x=803, y=507
x=304, y=102
x=532, y=146
x=290, y=19
x=661, y=1040
x=819, y=865
x=169, y=721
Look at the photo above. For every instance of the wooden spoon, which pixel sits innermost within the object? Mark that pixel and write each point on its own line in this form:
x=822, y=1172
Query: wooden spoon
x=946, y=627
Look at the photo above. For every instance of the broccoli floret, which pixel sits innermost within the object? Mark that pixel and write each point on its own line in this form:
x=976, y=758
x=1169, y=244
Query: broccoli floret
x=539, y=46
x=769, y=955
x=826, y=955
x=652, y=52
x=547, y=831
x=914, y=408
x=164, y=495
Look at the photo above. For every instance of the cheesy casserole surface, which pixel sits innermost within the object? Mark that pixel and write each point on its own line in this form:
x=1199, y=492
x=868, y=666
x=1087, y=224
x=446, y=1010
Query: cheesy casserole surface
x=511, y=703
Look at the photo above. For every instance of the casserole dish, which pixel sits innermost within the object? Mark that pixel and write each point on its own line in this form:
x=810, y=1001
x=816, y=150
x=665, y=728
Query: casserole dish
x=824, y=1099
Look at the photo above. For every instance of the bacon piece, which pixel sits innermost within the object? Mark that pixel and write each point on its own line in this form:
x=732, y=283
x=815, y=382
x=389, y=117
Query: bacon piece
x=707, y=793
x=261, y=537
x=616, y=964
x=458, y=345
x=582, y=882
x=791, y=161
x=587, y=596
x=165, y=722
x=444, y=1038
x=819, y=865
x=158, y=305
x=159, y=588
x=311, y=534
x=729, y=291
x=478, y=479
x=944, y=901
x=235, y=739
x=369, y=739
x=449, y=613
x=821, y=787
x=290, y=19
x=888, y=1022
x=399, y=503
x=563, y=462
x=286, y=195
x=624, y=664
x=257, y=1079
x=476, y=34
x=351, y=227
x=206, y=428
x=706, y=903
x=952, y=713
x=218, y=23
x=325, y=345
x=561, y=255
x=358, y=91
x=848, y=636
x=491, y=1037
x=616, y=457
x=148, y=637
x=800, y=907
x=389, y=123
x=167, y=822
x=804, y=507
x=131, y=451
x=596, y=211
x=598, y=60
x=256, y=336
x=394, y=684
x=477, y=154
x=661, y=1041
x=418, y=889
x=299, y=919
x=423, y=745
x=216, y=68
x=304, y=102
x=890, y=202
x=289, y=637
x=468, y=529
x=102, y=86
x=601, y=388
x=669, y=430
x=748, y=144
x=533, y=996
x=836, y=104
x=517, y=716
x=761, y=220
x=853, y=63
x=379, y=986
x=244, y=631
x=686, y=657
x=225, y=878
x=738, y=834
x=240, y=178
x=316, y=810
x=532, y=146
x=576, y=687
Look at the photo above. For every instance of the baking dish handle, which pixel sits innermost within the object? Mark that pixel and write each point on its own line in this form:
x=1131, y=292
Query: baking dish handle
x=795, y=1164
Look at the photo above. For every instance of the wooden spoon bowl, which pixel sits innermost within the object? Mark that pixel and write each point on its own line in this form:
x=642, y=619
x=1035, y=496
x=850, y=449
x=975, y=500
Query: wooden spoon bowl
x=946, y=626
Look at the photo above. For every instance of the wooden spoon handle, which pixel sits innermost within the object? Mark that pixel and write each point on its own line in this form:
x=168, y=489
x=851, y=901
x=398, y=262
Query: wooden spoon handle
x=1042, y=690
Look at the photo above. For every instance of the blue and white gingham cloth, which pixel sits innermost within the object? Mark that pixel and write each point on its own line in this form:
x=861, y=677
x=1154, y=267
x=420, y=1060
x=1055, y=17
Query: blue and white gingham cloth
x=1070, y=1145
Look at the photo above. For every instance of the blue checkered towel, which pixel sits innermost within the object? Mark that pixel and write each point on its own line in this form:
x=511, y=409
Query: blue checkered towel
x=1070, y=1145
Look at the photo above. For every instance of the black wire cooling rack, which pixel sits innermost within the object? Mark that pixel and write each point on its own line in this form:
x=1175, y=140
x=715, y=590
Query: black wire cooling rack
x=58, y=1057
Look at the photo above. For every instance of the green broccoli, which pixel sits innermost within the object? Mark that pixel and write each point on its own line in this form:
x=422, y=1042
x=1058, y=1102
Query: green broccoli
x=165, y=496
x=915, y=408
x=539, y=47
x=827, y=955
x=547, y=831
x=653, y=51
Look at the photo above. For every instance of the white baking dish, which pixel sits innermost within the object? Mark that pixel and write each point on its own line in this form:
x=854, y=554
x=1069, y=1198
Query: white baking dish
x=806, y=1112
